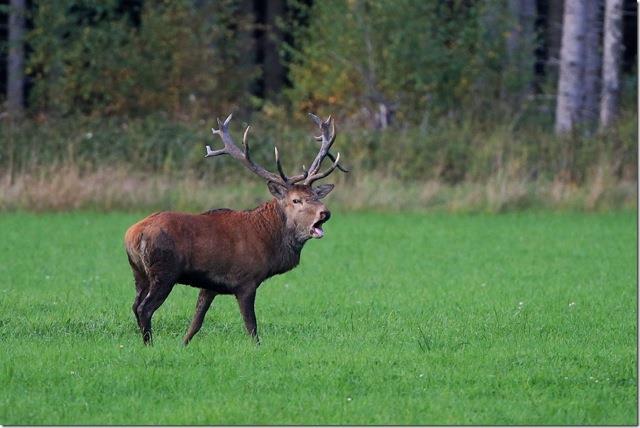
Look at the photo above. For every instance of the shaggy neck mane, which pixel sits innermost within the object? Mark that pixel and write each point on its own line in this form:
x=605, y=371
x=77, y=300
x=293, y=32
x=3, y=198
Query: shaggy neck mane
x=270, y=222
x=271, y=219
x=270, y=225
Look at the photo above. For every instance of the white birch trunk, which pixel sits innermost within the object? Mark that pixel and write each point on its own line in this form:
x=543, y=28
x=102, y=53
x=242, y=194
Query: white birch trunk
x=571, y=81
x=611, y=62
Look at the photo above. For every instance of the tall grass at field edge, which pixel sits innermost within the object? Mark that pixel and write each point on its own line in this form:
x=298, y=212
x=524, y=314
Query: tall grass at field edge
x=122, y=189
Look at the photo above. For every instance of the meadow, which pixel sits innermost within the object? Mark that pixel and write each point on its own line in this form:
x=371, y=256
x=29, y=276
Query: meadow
x=518, y=318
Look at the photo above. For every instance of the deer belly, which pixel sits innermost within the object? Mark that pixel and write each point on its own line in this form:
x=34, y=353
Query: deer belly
x=217, y=283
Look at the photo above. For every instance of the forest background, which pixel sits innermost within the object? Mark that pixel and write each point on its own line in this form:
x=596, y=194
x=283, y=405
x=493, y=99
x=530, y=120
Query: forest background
x=441, y=105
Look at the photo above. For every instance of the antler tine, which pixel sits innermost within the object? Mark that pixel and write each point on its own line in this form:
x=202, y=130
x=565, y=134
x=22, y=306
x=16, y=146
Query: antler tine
x=232, y=150
x=280, y=170
x=210, y=151
x=289, y=180
x=319, y=176
x=316, y=119
x=326, y=138
x=340, y=167
x=245, y=143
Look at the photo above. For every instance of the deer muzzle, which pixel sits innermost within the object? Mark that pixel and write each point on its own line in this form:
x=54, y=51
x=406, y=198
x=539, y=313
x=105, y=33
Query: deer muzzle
x=316, y=229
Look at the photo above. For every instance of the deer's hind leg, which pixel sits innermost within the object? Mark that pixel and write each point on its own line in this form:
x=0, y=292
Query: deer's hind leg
x=162, y=272
x=142, y=288
x=158, y=292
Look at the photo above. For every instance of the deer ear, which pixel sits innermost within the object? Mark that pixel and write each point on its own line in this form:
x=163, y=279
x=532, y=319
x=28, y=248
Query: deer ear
x=323, y=190
x=277, y=190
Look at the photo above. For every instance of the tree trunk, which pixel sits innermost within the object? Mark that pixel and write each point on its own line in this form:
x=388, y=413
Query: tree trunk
x=572, y=57
x=15, y=60
x=611, y=62
x=593, y=58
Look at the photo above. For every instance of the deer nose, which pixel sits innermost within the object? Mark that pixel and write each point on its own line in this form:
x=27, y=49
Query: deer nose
x=325, y=215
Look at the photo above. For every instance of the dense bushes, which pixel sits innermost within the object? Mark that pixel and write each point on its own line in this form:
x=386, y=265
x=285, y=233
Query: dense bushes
x=89, y=58
x=416, y=60
x=421, y=59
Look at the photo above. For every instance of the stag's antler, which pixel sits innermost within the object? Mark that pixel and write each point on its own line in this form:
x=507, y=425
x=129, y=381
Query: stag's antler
x=326, y=138
x=309, y=176
x=243, y=156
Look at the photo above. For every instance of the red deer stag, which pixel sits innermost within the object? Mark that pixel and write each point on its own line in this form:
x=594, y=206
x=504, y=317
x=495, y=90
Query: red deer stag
x=230, y=252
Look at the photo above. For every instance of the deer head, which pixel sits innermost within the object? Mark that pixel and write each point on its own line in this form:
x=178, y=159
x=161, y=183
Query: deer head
x=297, y=197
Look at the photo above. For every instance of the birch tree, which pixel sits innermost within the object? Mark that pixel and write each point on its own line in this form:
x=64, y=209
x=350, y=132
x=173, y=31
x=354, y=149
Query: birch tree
x=611, y=62
x=572, y=57
x=15, y=60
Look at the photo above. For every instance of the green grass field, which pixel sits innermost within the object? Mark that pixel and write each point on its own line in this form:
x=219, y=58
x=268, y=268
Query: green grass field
x=390, y=319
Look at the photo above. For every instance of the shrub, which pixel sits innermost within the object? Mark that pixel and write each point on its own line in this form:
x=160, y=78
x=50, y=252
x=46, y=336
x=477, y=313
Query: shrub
x=422, y=59
x=182, y=57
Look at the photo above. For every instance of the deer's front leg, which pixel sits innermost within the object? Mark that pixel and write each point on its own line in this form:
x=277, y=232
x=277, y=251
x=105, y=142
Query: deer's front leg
x=202, y=306
x=246, y=299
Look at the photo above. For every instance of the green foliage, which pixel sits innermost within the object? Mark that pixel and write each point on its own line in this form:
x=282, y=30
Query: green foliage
x=517, y=319
x=89, y=58
x=423, y=58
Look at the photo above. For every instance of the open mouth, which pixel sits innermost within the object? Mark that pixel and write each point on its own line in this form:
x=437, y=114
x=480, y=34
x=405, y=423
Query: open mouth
x=316, y=229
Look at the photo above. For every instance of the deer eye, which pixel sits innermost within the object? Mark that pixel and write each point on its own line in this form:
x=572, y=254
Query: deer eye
x=297, y=201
